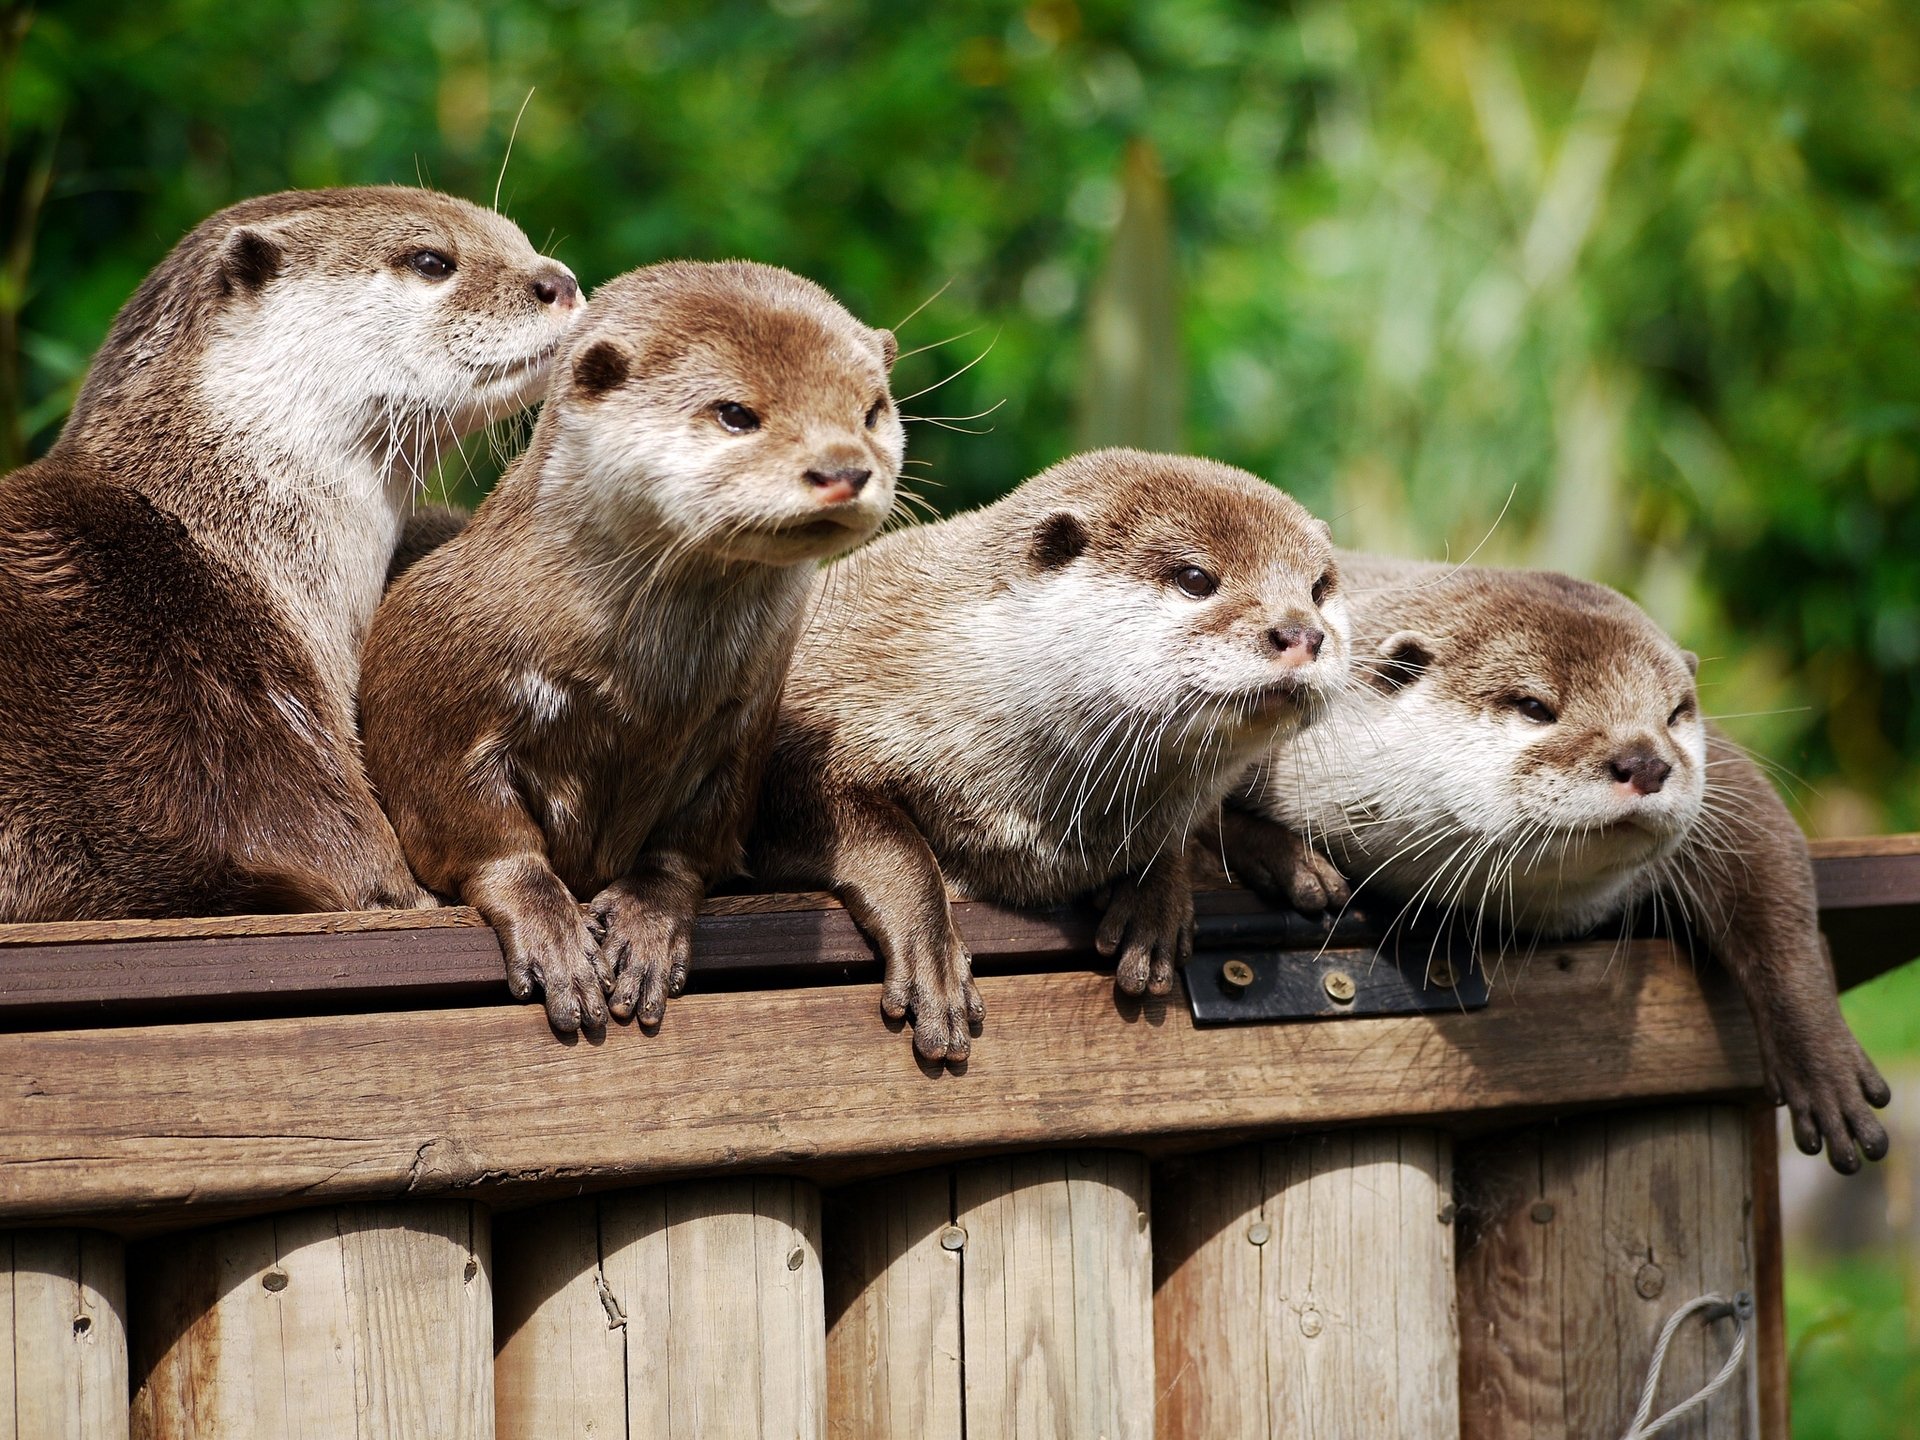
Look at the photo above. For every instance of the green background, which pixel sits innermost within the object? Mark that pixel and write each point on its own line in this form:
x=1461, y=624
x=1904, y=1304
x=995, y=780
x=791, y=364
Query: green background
x=1627, y=289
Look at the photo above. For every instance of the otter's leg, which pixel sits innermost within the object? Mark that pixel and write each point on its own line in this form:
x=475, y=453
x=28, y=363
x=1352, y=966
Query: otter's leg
x=1148, y=925
x=645, y=923
x=869, y=851
x=1277, y=863
x=479, y=843
x=1745, y=882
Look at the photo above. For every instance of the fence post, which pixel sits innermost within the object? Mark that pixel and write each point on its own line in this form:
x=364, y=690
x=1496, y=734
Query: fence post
x=63, y=1336
x=1305, y=1287
x=1578, y=1241
x=671, y=1312
x=352, y=1320
x=1028, y=1274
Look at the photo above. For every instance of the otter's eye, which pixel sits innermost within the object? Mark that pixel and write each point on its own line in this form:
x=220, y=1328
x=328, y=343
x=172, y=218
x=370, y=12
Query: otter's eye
x=1322, y=588
x=737, y=418
x=1682, y=711
x=430, y=264
x=1537, y=711
x=875, y=411
x=1194, y=583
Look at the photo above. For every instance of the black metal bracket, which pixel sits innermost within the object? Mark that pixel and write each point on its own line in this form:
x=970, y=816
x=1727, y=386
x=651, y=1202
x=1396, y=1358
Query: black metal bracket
x=1411, y=975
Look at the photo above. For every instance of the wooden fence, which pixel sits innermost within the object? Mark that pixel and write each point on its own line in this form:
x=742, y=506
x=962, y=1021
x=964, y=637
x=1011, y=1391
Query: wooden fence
x=315, y=1176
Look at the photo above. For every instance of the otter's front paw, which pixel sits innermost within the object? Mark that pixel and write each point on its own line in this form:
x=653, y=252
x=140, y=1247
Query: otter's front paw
x=930, y=979
x=1831, y=1090
x=647, y=943
x=1280, y=866
x=1149, y=927
x=548, y=945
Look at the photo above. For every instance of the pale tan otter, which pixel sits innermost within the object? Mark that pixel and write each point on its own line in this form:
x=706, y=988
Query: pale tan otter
x=573, y=697
x=186, y=578
x=1530, y=748
x=1041, y=699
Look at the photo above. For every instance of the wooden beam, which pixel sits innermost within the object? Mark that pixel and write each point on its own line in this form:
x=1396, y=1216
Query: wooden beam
x=166, y=1121
x=138, y=971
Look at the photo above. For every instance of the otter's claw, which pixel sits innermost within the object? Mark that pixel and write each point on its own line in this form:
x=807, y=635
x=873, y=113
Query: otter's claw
x=1149, y=927
x=1831, y=1098
x=930, y=978
x=646, y=948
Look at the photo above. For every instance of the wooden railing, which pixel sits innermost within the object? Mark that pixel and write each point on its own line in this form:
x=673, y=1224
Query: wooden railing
x=326, y=1156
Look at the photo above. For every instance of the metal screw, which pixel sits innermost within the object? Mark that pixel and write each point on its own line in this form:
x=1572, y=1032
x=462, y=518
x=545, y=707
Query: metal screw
x=1542, y=1212
x=1258, y=1233
x=1441, y=976
x=796, y=1257
x=1236, y=975
x=1310, y=1323
x=274, y=1281
x=1649, y=1281
x=1339, y=986
x=953, y=1238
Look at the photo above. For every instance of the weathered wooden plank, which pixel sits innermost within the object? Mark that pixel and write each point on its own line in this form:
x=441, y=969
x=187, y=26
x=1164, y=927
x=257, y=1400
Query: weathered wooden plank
x=893, y=1260
x=1580, y=1241
x=1305, y=1288
x=1027, y=1277
x=1769, y=1275
x=160, y=1120
x=1869, y=904
x=63, y=1336
x=676, y=1312
x=1056, y=1296
x=133, y=971
x=354, y=1320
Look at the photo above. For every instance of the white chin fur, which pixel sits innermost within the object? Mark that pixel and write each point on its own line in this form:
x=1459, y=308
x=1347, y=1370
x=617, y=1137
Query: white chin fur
x=1415, y=797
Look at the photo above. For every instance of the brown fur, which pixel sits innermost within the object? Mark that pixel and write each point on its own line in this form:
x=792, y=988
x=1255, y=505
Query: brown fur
x=573, y=697
x=182, y=587
x=1449, y=654
x=1017, y=697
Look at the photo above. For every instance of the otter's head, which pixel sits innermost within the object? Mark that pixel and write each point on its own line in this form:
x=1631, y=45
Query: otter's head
x=1555, y=705
x=1186, y=589
x=736, y=407
x=382, y=319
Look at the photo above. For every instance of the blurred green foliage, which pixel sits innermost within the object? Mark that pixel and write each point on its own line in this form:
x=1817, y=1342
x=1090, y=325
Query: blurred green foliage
x=1649, y=271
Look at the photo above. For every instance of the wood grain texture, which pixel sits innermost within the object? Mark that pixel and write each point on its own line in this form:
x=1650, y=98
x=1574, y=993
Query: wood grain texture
x=1769, y=1276
x=670, y=1313
x=1305, y=1289
x=1056, y=1296
x=1579, y=1240
x=154, y=1122
x=356, y=1320
x=893, y=1310
x=1006, y=1297
x=63, y=1337
x=135, y=971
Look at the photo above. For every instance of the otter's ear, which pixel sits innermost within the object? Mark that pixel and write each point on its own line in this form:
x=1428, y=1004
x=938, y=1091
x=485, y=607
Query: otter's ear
x=249, y=258
x=1402, y=658
x=889, y=347
x=1693, y=662
x=1060, y=540
x=601, y=367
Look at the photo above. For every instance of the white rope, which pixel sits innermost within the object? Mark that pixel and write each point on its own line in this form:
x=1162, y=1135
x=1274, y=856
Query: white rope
x=1718, y=1307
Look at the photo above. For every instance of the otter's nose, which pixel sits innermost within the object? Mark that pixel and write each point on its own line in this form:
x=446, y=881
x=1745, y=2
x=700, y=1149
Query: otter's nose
x=1297, y=644
x=833, y=486
x=558, y=288
x=1641, y=770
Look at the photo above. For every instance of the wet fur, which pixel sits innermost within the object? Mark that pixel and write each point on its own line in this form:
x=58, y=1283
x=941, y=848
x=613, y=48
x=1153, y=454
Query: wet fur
x=1430, y=790
x=571, y=699
x=1018, y=698
x=186, y=577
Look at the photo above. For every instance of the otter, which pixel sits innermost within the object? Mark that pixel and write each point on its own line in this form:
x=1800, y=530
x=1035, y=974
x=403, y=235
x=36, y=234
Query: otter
x=1530, y=748
x=573, y=696
x=1040, y=699
x=186, y=577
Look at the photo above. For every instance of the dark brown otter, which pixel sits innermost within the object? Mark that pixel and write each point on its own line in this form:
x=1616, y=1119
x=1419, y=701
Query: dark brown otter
x=186, y=577
x=573, y=697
